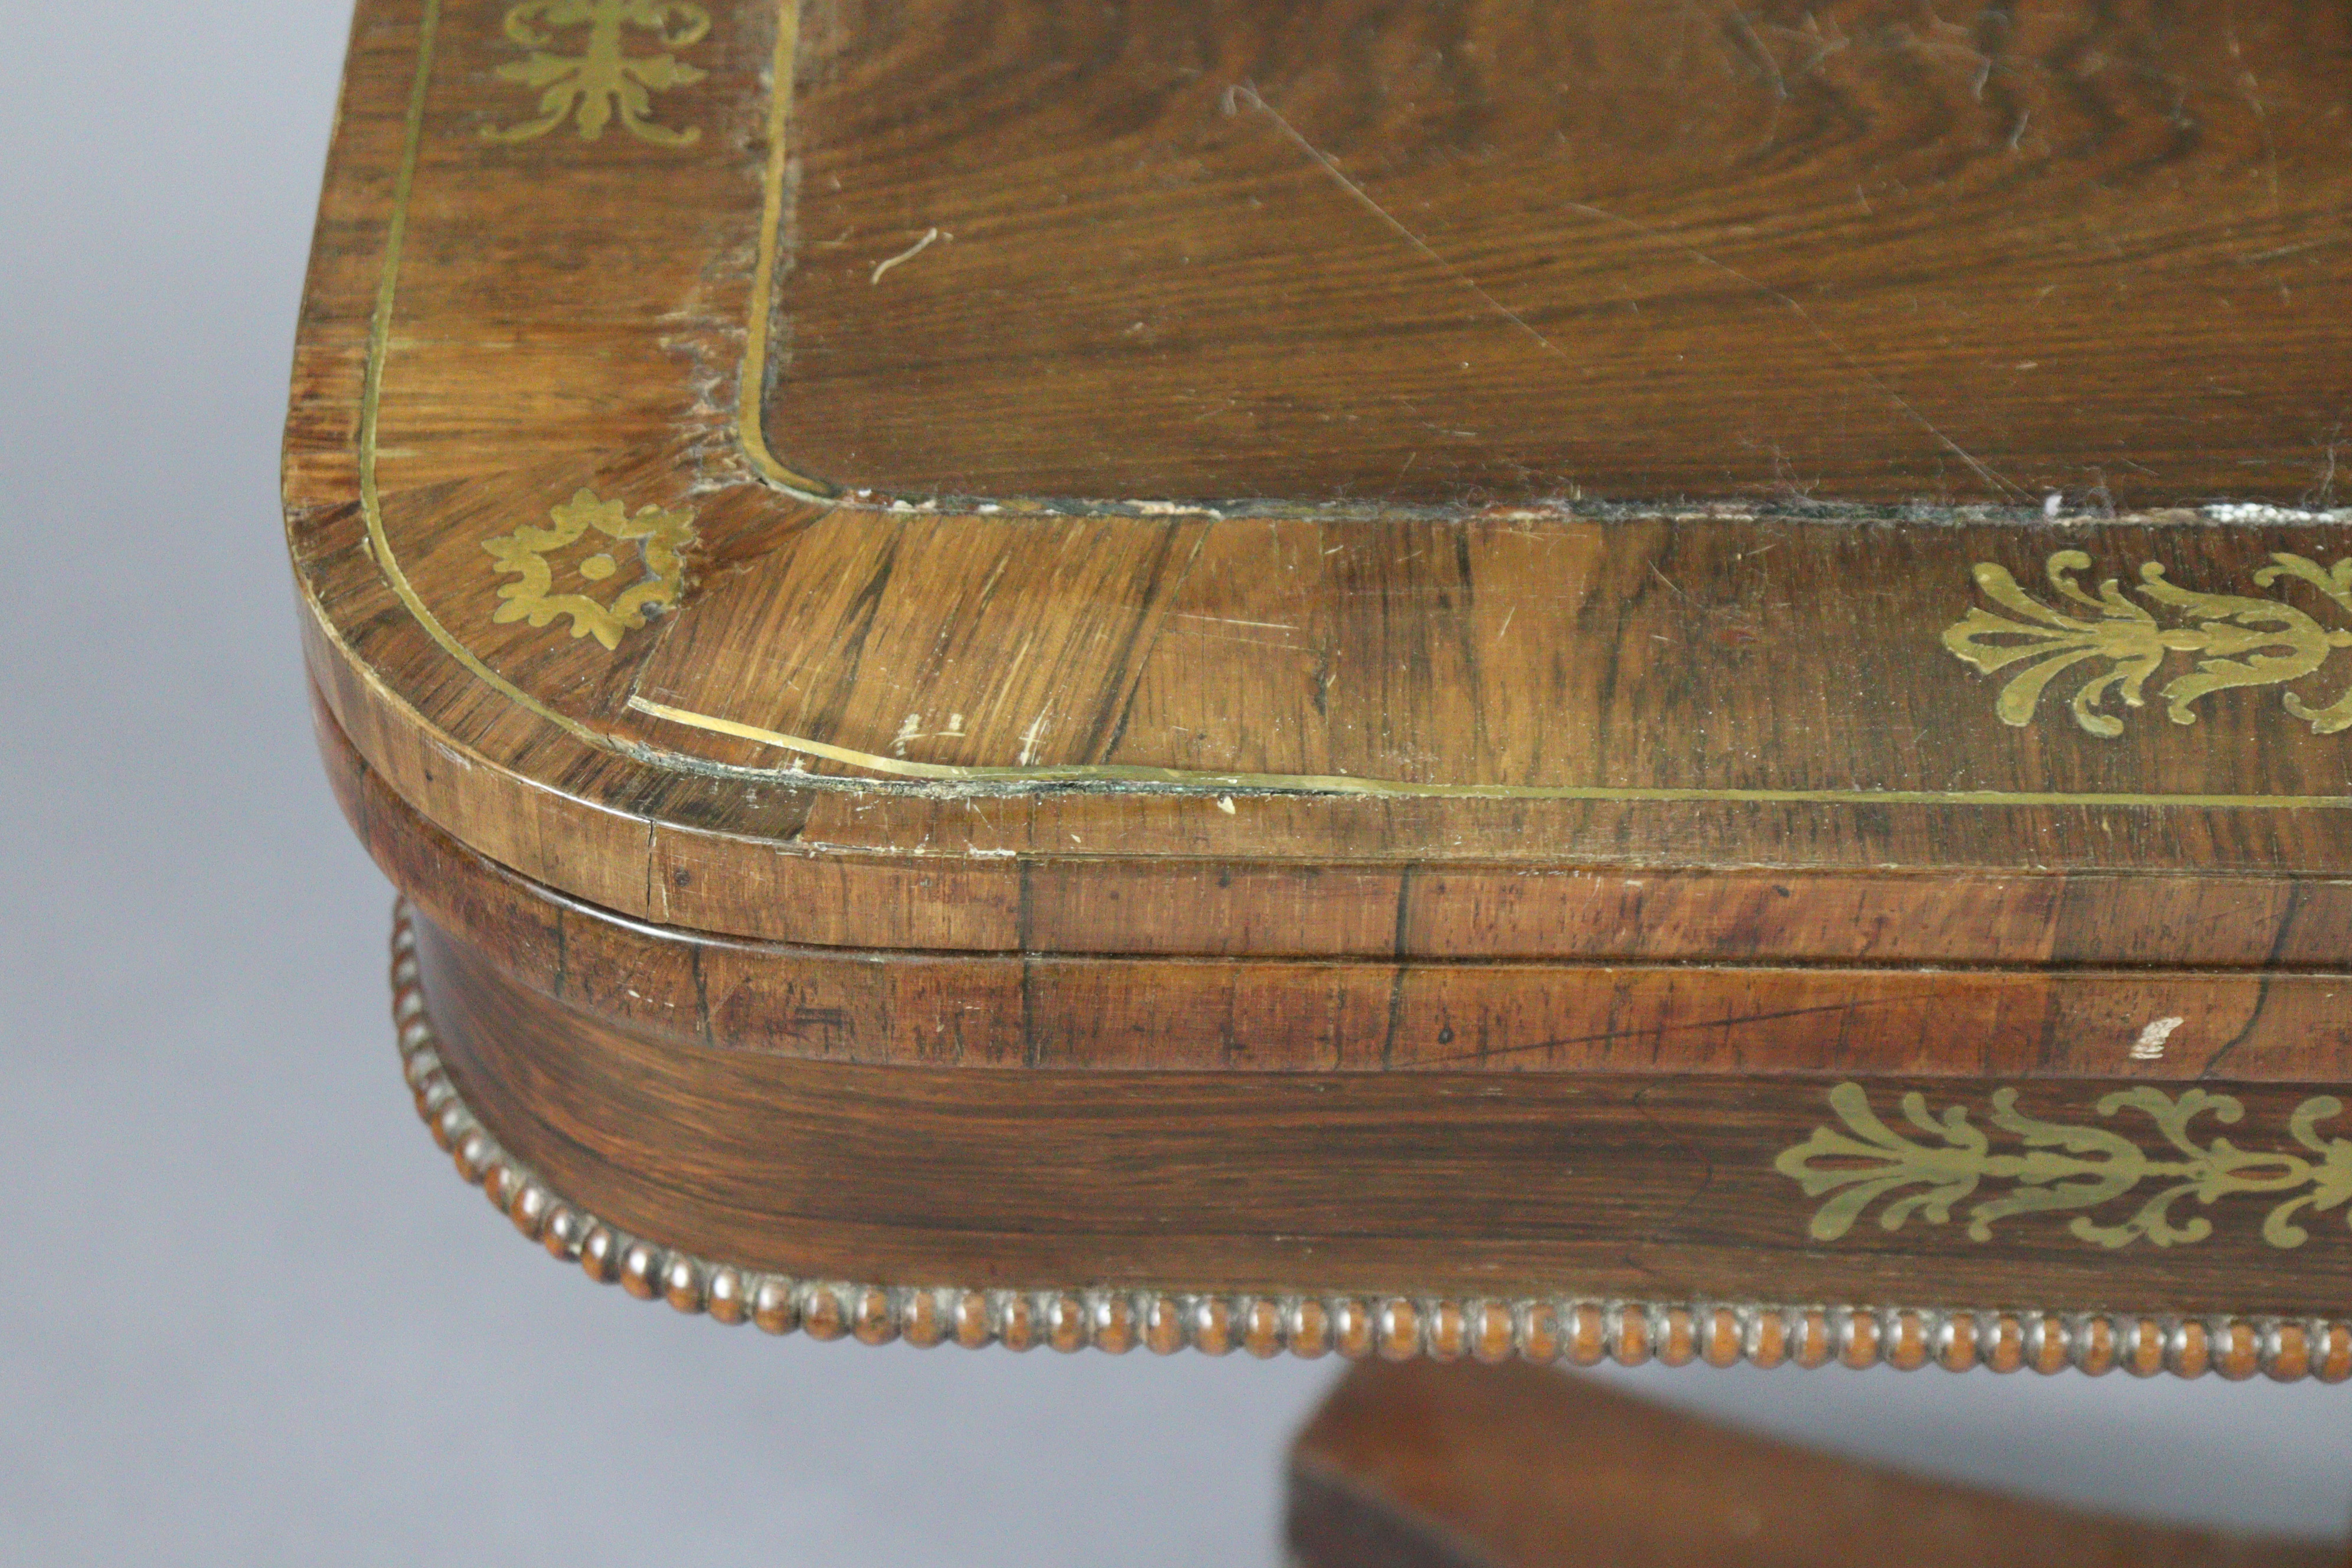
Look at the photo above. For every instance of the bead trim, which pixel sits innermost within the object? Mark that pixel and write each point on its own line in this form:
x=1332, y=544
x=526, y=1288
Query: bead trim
x=1580, y=1331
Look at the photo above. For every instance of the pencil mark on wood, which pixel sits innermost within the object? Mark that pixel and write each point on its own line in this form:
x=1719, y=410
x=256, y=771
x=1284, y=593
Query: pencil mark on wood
x=1846, y=1009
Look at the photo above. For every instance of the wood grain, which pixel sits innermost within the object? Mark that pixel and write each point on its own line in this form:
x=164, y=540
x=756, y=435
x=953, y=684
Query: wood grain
x=1095, y=1000
x=1612, y=1185
x=1659, y=692
x=895, y=1118
x=1513, y=1467
x=1337, y=253
x=1463, y=862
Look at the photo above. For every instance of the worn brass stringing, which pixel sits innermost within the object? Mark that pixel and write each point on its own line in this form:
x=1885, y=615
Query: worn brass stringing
x=2062, y=1166
x=754, y=446
x=604, y=81
x=2240, y=641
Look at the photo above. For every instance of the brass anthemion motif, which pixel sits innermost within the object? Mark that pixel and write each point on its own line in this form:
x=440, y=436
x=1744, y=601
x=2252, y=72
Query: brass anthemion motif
x=603, y=80
x=660, y=537
x=2238, y=641
x=1579, y=1330
x=2062, y=1166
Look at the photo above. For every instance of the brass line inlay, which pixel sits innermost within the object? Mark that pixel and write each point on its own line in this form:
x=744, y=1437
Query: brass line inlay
x=2059, y=1165
x=1343, y=783
x=603, y=82
x=404, y=183
x=751, y=377
x=754, y=445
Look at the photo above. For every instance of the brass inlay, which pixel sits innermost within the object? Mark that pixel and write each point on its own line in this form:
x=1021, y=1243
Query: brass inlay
x=660, y=538
x=768, y=269
x=1351, y=784
x=751, y=376
x=2239, y=641
x=1559, y=1325
x=2062, y=1166
x=604, y=81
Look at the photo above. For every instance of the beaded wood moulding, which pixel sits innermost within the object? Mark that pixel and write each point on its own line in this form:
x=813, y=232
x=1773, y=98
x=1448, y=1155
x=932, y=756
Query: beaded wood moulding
x=1497, y=678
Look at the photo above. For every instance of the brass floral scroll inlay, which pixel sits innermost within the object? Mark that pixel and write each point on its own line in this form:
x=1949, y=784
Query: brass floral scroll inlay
x=2237, y=641
x=604, y=81
x=660, y=538
x=2059, y=1166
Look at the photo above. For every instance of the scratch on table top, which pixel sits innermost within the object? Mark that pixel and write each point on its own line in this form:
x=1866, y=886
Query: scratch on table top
x=1233, y=621
x=1240, y=95
x=1764, y=55
x=2251, y=91
x=1246, y=642
x=1846, y=356
x=1772, y=77
x=1029, y=737
x=909, y=254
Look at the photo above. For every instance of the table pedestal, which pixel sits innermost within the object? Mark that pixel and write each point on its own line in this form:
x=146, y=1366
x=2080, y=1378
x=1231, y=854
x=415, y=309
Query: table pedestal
x=1464, y=1465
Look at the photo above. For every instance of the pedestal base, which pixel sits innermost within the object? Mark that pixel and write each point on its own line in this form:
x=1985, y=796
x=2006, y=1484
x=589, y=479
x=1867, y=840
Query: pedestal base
x=1427, y=1465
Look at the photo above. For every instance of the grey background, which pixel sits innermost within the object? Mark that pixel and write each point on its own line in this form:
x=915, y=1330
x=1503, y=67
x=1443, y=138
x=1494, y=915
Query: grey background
x=251, y=1316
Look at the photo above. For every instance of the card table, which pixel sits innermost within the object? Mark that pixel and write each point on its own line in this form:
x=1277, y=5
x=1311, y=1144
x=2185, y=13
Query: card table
x=1486, y=681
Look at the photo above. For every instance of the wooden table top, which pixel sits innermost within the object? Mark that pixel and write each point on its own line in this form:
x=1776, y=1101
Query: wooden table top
x=1338, y=647
x=1333, y=253
x=1681, y=438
